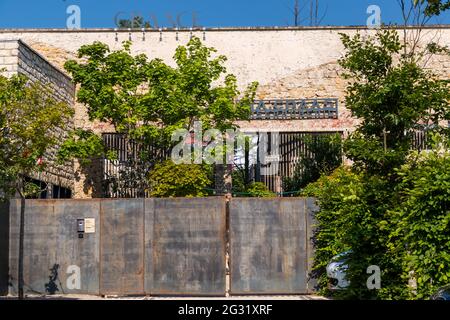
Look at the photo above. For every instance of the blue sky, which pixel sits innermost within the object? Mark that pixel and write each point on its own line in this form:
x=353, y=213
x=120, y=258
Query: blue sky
x=209, y=13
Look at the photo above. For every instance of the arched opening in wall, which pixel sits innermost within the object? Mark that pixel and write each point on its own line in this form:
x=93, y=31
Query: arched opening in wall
x=39, y=188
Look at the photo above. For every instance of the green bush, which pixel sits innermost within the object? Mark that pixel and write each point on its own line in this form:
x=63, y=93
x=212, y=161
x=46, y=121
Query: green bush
x=391, y=208
x=420, y=232
x=259, y=190
x=338, y=195
x=168, y=179
x=402, y=227
x=351, y=207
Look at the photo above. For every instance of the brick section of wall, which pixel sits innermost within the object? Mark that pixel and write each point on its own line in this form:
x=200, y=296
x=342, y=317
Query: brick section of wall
x=18, y=58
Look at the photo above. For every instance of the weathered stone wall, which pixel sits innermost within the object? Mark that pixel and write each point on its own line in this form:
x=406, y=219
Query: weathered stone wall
x=287, y=62
x=292, y=63
x=9, y=60
x=18, y=58
x=323, y=81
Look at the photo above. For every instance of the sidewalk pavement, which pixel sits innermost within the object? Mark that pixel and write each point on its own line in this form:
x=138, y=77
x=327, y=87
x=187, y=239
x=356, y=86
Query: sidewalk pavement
x=91, y=297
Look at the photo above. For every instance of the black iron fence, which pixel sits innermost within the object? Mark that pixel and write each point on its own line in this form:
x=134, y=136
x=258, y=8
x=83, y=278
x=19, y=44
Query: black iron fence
x=127, y=176
x=293, y=147
x=420, y=140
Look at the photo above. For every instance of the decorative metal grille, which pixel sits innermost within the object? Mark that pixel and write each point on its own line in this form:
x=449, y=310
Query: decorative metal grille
x=127, y=176
x=420, y=140
x=292, y=149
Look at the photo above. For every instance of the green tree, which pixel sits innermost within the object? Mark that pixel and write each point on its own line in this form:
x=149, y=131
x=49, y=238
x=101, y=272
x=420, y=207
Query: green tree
x=433, y=7
x=29, y=118
x=419, y=224
x=136, y=22
x=391, y=94
x=148, y=100
x=339, y=198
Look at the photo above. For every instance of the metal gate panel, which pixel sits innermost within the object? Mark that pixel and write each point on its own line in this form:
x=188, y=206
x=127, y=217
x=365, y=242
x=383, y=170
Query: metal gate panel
x=165, y=246
x=311, y=208
x=122, y=247
x=188, y=249
x=149, y=218
x=52, y=248
x=74, y=252
x=268, y=246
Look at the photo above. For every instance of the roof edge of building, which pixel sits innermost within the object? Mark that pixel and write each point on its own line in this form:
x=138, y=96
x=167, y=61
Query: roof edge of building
x=274, y=28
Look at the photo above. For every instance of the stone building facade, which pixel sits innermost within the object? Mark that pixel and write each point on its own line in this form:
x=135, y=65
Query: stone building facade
x=288, y=63
x=16, y=57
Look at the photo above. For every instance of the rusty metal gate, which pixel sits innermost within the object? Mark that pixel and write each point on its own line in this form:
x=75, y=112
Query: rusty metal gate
x=122, y=247
x=162, y=246
x=136, y=247
x=52, y=250
x=270, y=245
x=185, y=247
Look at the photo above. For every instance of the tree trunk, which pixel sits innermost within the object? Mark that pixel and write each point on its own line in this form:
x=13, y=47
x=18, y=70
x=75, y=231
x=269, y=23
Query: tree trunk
x=21, y=241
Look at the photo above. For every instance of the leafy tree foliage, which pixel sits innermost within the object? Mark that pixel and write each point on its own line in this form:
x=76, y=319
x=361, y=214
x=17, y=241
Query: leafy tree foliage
x=148, y=100
x=352, y=207
x=248, y=188
x=433, y=7
x=83, y=145
x=136, y=22
x=29, y=121
x=420, y=232
x=390, y=208
x=402, y=229
x=338, y=194
x=259, y=190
